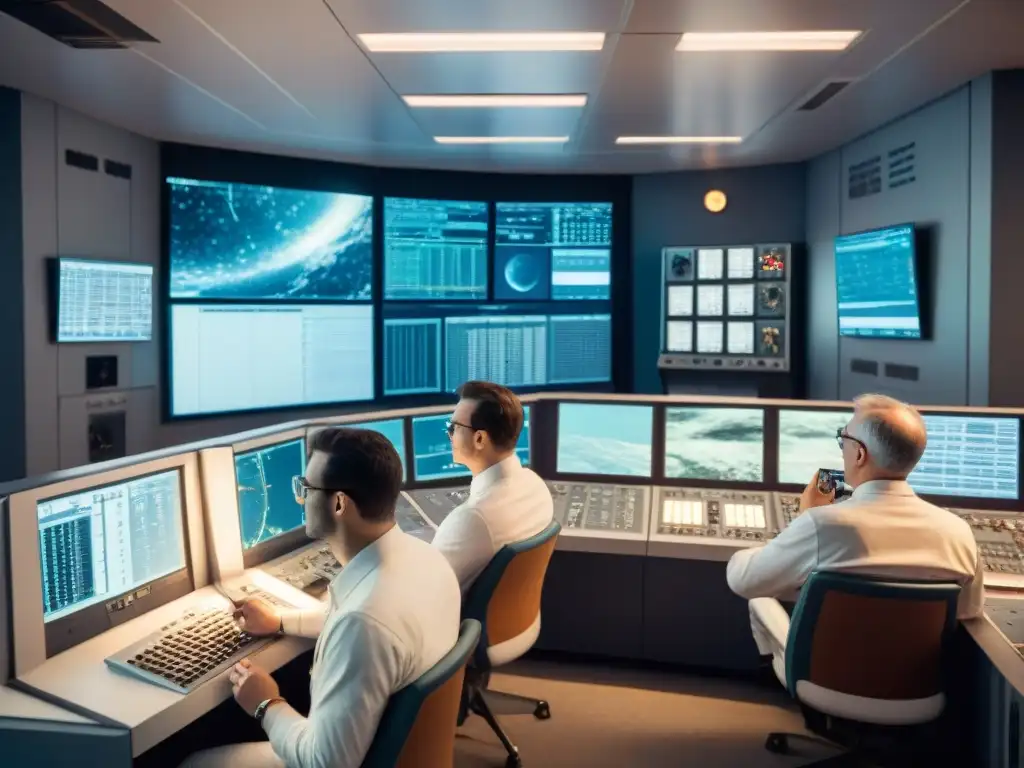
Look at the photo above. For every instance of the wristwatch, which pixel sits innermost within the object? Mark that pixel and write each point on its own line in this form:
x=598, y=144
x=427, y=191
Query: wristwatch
x=263, y=706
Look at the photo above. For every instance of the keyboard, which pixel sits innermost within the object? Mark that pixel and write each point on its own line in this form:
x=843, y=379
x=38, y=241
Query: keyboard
x=189, y=651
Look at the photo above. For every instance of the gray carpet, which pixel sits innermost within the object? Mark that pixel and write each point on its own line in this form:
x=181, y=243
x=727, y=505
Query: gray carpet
x=617, y=718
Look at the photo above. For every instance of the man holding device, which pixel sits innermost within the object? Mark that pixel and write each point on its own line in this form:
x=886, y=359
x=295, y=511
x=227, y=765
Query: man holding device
x=883, y=529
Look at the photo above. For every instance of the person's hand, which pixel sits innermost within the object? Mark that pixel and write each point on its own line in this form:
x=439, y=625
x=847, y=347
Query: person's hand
x=812, y=497
x=252, y=686
x=258, y=618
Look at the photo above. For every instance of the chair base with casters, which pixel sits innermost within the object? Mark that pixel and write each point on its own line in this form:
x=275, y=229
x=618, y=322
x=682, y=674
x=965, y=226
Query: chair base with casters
x=477, y=700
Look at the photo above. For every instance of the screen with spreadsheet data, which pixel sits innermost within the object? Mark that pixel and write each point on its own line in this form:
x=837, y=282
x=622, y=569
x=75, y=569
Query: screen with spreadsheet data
x=103, y=301
x=435, y=250
x=969, y=456
x=105, y=541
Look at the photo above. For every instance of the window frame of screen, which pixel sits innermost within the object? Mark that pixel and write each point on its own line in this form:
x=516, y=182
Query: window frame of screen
x=662, y=477
x=552, y=432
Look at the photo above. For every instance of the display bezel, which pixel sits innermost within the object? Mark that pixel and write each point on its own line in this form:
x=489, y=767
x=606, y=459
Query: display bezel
x=554, y=433
x=53, y=266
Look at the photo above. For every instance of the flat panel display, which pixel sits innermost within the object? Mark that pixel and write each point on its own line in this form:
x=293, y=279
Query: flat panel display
x=267, y=506
x=103, y=301
x=105, y=541
x=580, y=349
x=435, y=250
x=432, y=458
x=679, y=336
x=741, y=300
x=560, y=251
x=393, y=430
x=970, y=456
x=807, y=443
x=739, y=338
x=412, y=355
x=715, y=444
x=239, y=357
x=710, y=300
x=680, y=300
x=740, y=263
x=710, y=263
x=246, y=242
x=604, y=439
x=877, y=284
x=710, y=337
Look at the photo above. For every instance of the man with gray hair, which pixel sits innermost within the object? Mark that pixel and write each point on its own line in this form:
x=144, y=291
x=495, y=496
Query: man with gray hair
x=882, y=530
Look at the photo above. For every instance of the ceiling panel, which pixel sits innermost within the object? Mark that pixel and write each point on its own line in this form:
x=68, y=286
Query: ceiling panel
x=498, y=122
x=332, y=77
x=361, y=16
x=782, y=15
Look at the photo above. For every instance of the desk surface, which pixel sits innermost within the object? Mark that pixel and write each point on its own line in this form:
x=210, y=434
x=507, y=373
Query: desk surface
x=992, y=640
x=16, y=704
x=80, y=676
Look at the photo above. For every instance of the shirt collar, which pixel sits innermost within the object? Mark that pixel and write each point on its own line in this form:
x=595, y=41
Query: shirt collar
x=504, y=468
x=882, y=488
x=363, y=564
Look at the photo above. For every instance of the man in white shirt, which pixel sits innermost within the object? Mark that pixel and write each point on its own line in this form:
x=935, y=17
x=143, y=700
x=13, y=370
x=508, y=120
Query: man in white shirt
x=882, y=530
x=507, y=502
x=393, y=613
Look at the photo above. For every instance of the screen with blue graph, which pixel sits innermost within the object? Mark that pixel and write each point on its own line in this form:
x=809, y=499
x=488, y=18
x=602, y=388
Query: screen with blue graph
x=435, y=250
x=267, y=506
x=393, y=430
x=433, y=448
x=605, y=439
x=246, y=241
x=558, y=251
x=877, y=283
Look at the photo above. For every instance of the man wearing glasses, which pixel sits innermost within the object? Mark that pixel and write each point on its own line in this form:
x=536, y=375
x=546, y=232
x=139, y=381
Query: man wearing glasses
x=507, y=502
x=882, y=530
x=393, y=613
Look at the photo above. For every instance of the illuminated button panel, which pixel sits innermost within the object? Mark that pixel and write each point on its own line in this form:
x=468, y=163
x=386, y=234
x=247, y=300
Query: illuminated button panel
x=599, y=507
x=714, y=514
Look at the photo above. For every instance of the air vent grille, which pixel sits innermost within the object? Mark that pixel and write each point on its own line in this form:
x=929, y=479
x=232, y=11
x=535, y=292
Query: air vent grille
x=826, y=93
x=902, y=165
x=865, y=178
x=84, y=24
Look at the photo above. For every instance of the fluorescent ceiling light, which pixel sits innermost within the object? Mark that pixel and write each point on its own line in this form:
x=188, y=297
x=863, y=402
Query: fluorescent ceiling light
x=825, y=40
x=498, y=100
x=501, y=139
x=679, y=140
x=465, y=42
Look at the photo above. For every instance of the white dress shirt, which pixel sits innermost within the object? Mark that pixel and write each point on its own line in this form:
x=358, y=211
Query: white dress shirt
x=507, y=503
x=393, y=613
x=883, y=530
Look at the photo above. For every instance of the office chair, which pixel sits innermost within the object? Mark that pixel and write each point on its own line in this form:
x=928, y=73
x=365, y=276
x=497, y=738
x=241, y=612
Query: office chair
x=505, y=599
x=864, y=659
x=417, y=729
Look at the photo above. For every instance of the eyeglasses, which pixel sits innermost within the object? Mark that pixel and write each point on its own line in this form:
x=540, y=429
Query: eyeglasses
x=451, y=424
x=301, y=489
x=841, y=436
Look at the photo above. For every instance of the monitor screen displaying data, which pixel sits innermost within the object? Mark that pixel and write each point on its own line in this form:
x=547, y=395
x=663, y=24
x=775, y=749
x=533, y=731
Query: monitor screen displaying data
x=239, y=357
x=807, y=443
x=104, y=301
x=604, y=439
x=432, y=459
x=435, y=250
x=877, y=284
x=715, y=444
x=102, y=542
x=552, y=251
x=245, y=241
x=266, y=502
x=393, y=430
x=969, y=456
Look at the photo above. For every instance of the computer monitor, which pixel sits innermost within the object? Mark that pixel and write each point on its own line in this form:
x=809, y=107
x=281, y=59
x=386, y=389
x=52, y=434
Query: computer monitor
x=101, y=301
x=392, y=429
x=432, y=459
x=807, y=443
x=267, y=507
x=605, y=439
x=722, y=444
x=970, y=457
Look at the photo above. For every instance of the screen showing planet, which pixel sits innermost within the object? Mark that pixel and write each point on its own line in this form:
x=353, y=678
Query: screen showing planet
x=245, y=241
x=522, y=274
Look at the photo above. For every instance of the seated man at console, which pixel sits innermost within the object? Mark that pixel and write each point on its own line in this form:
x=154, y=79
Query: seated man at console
x=882, y=530
x=393, y=613
x=507, y=502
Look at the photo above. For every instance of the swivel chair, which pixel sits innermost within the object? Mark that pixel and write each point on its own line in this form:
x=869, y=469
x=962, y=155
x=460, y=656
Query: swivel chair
x=506, y=599
x=417, y=729
x=864, y=659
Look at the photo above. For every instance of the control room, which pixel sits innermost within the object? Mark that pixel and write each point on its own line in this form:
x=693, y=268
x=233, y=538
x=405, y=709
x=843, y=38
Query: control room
x=465, y=383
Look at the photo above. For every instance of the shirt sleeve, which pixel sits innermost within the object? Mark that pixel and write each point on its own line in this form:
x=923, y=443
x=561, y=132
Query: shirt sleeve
x=778, y=568
x=971, y=603
x=304, y=623
x=465, y=541
x=359, y=668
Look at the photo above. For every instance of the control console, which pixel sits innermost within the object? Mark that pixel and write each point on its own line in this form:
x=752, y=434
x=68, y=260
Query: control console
x=437, y=503
x=411, y=521
x=599, y=507
x=714, y=514
x=310, y=569
x=1000, y=540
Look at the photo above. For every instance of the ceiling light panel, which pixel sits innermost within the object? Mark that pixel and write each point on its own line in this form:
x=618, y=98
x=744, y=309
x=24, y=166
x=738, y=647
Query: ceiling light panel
x=662, y=140
x=485, y=101
x=823, y=40
x=481, y=42
x=501, y=139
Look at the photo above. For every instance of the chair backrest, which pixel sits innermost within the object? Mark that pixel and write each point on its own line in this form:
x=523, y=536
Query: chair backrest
x=417, y=729
x=505, y=598
x=872, y=638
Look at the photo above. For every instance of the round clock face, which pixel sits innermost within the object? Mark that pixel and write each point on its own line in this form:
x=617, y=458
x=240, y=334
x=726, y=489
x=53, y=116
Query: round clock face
x=715, y=201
